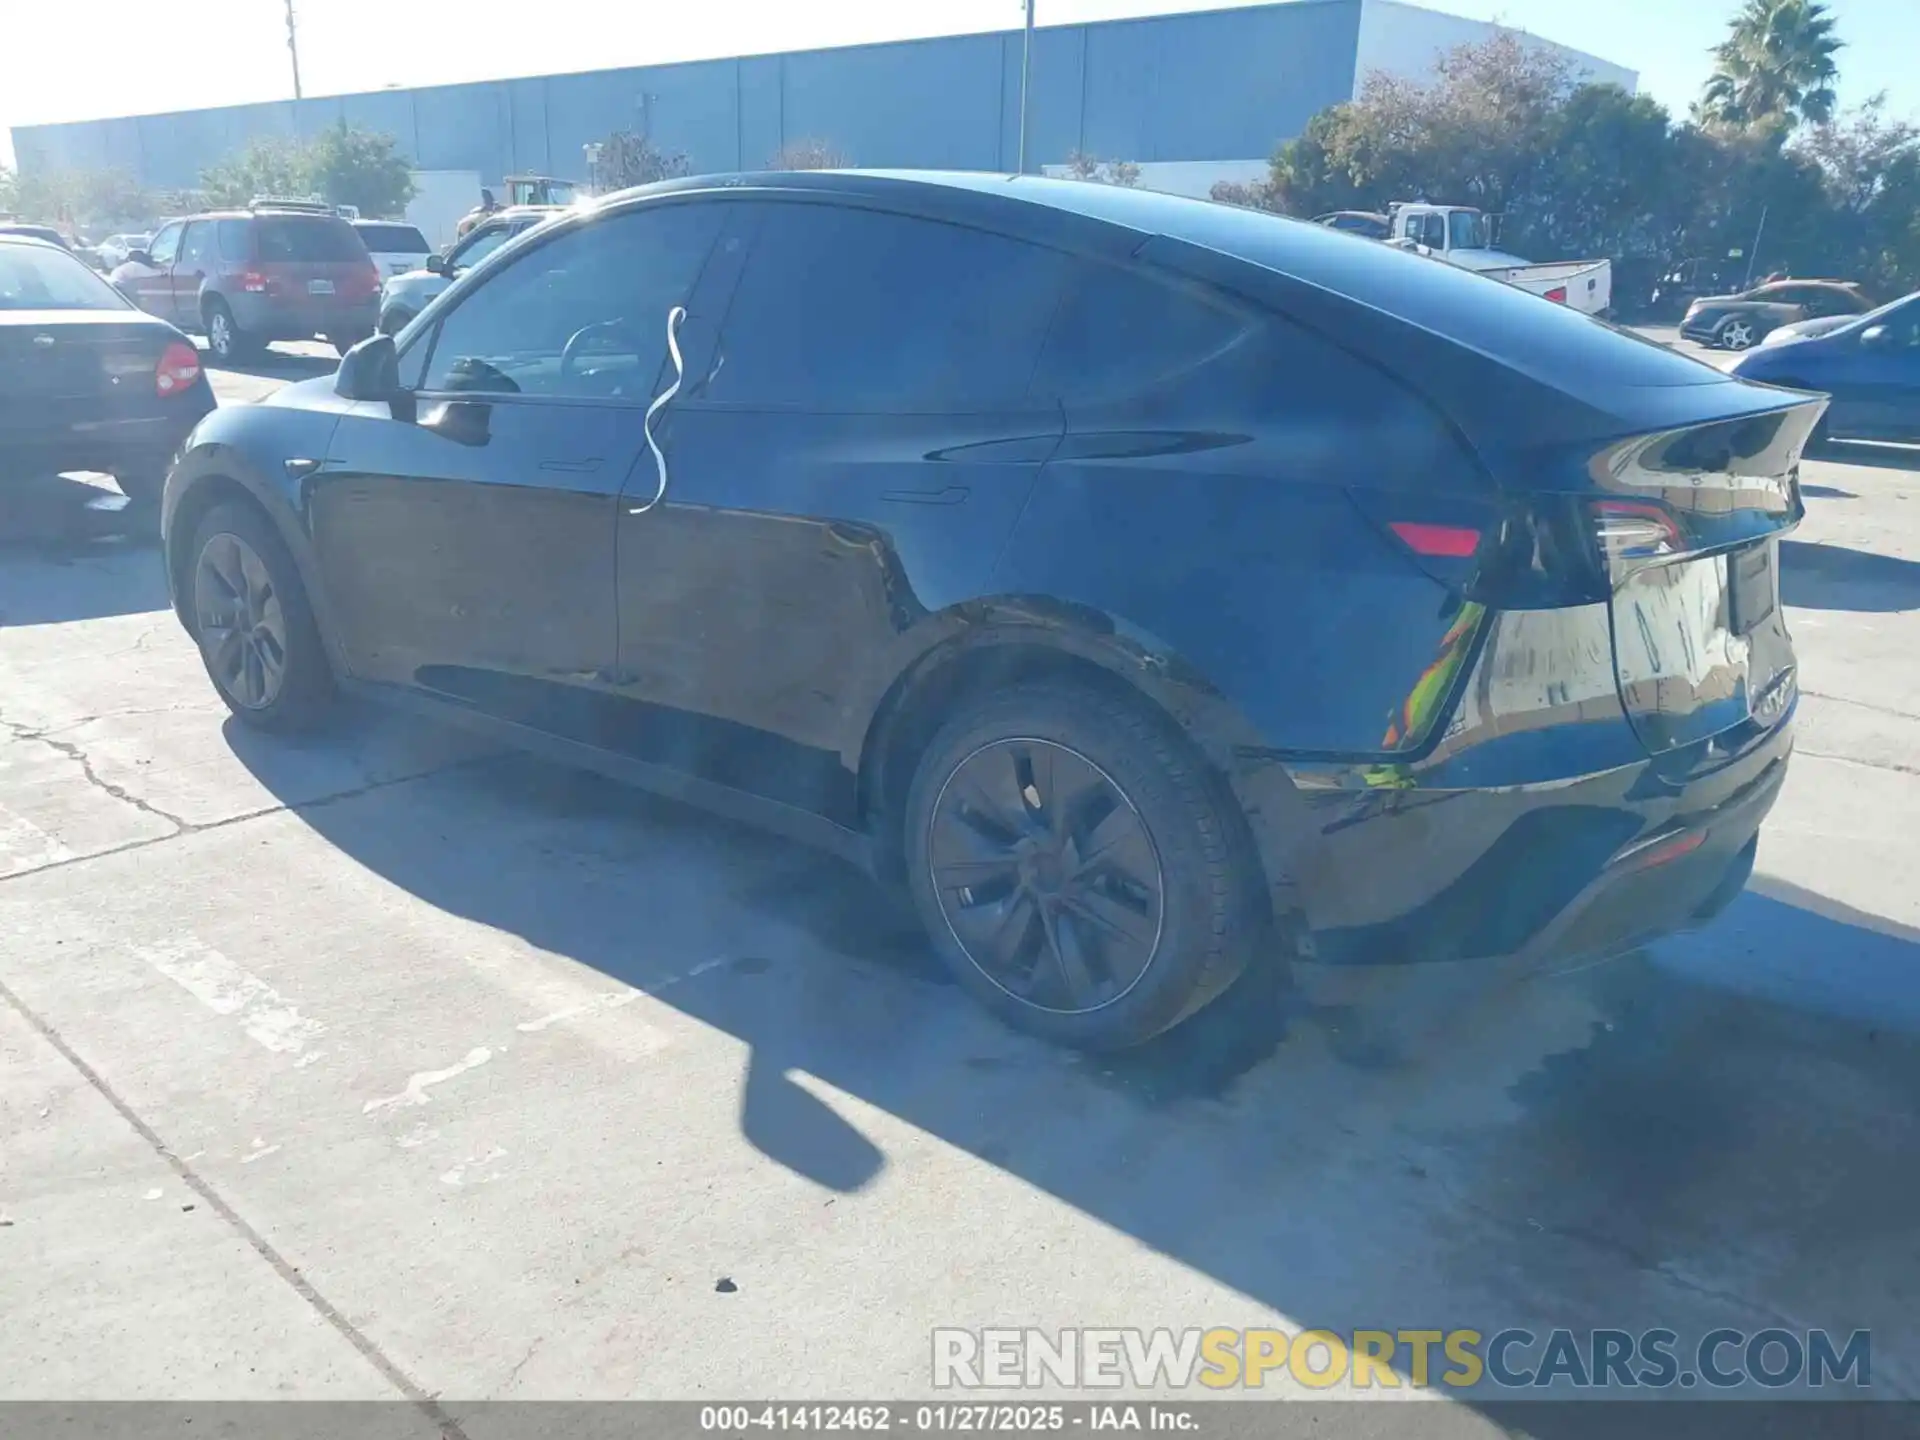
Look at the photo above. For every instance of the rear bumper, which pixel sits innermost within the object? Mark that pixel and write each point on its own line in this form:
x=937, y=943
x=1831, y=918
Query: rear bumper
x=274, y=318
x=144, y=445
x=1576, y=869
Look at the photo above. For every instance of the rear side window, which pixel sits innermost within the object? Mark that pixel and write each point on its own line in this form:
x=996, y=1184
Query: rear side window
x=860, y=312
x=1120, y=333
x=393, y=239
x=288, y=239
x=231, y=237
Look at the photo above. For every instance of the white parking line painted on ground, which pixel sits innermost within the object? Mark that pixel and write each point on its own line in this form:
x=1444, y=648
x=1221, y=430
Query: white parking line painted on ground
x=25, y=846
x=611, y=1000
x=416, y=1091
x=226, y=989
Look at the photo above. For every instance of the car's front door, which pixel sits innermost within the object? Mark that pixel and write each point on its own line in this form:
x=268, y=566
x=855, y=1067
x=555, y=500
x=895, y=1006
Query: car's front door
x=848, y=455
x=1886, y=376
x=468, y=542
x=151, y=286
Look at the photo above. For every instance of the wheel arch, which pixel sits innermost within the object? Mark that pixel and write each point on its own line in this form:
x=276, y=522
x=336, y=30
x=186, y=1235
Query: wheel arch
x=214, y=476
x=989, y=645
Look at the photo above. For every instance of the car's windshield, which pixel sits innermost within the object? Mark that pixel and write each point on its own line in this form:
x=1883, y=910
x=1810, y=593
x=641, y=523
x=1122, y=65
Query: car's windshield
x=480, y=245
x=34, y=277
x=393, y=239
x=1467, y=230
x=317, y=239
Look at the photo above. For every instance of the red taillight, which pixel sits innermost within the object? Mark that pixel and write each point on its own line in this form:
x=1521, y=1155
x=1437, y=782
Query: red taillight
x=1558, y=294
x=179, y=367
x=1440, y=542
x=253, y=282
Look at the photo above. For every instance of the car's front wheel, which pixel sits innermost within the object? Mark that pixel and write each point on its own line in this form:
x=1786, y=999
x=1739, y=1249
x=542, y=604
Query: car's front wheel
x=1081, y=871
x=252, y=622
x=1737, y=334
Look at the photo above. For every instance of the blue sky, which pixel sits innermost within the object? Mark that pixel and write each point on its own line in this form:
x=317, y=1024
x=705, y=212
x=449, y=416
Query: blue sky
x=56, y=66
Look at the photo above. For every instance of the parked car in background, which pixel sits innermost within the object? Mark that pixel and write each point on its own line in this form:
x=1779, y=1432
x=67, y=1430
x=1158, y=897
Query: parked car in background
x=87, y=382
x=1869, y=366
x=44, y=233
x=1357, y=222
x=396, y=247
x=1741, y=321
x=244, y=278
x=115, y=249
x=1156, y=587
x=1463, y=236
x=405, y=296
x=1686, y=282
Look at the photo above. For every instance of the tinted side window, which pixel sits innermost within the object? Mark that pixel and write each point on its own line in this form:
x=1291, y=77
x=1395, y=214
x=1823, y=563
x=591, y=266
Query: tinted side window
x=233, y=240
x=196, y=252
x=1119, y=333
x=584, y=315
x=856, y=311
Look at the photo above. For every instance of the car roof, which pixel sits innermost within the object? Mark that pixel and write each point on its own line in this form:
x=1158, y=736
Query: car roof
x=27, y=237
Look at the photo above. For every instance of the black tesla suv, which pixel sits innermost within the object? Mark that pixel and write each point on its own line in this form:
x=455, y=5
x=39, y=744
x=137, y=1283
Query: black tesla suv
x=1157, y=588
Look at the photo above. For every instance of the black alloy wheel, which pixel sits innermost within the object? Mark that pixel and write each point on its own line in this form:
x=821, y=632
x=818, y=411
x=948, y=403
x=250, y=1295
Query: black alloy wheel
x=1046, y=875
x=1082, y=871
x=252, y=621
x=240, y=623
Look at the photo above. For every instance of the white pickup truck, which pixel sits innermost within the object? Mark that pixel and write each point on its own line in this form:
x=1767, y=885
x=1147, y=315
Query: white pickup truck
x=1463, y=236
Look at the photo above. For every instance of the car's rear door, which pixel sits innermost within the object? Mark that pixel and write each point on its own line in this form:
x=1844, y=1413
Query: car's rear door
x=849, y=456
x=468, y=540
x=199, y=257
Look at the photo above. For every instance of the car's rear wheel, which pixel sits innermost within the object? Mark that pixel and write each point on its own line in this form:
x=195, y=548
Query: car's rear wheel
x=1081, y=871
x=225, y=339
x=252, y=622
x=1736, y=334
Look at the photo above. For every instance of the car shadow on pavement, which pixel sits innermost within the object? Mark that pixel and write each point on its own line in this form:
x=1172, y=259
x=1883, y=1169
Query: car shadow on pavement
x=1720, y=1132
x=1867, y=453
x=271, y=364
x=1819, y=575
x=70, y=550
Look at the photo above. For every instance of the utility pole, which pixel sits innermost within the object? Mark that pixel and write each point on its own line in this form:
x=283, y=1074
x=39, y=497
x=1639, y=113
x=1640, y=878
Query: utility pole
x=1026, y=71
x=293, y=49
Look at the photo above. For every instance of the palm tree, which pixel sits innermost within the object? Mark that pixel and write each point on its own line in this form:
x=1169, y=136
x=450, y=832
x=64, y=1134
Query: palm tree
x=1776, y=65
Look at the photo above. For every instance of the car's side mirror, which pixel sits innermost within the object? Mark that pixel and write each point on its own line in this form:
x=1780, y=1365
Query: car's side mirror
x=438, y=264
x=139, y=257
x=1874, y=335
x=370, y=371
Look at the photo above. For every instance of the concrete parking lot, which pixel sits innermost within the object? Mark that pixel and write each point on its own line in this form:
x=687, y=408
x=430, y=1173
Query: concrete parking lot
x=382, y=1065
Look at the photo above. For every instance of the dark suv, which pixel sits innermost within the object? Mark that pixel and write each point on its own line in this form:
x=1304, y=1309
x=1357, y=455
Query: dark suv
x=245, y=277
x=1157, y=588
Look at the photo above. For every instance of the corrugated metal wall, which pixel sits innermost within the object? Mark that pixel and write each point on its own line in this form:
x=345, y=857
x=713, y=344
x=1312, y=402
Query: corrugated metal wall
x=1216, y=85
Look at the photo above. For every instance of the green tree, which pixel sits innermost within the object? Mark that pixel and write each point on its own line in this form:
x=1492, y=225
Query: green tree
x=361, y=169
x=626, y=159
x=341, y=165
x=1775, y=68
x=268, y=165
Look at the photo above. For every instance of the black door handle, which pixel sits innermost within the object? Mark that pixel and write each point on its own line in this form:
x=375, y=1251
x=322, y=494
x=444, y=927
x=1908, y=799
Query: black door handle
x=946, y=495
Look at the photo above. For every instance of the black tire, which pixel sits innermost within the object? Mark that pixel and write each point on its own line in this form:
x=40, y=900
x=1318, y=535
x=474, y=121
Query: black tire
x=305, y=689
x=226, y=341
x=1211, y=896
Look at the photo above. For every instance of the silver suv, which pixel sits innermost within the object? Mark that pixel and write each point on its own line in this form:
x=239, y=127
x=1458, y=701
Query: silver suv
x=405, y=296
